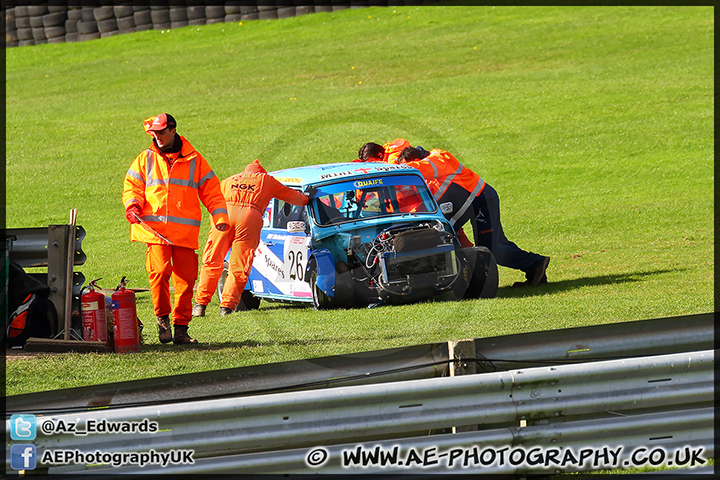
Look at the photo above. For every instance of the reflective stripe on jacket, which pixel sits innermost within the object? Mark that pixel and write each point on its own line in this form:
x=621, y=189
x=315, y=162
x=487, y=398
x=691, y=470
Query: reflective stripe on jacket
x=441, y=169
x=170, y=196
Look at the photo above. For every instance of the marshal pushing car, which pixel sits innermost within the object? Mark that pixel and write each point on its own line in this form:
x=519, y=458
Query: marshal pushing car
x=372, y=233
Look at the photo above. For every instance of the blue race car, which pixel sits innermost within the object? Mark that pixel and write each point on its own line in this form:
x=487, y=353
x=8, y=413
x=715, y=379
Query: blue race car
x=371, y=234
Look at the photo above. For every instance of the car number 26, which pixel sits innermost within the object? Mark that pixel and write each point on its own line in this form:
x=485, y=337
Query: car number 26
x=296, y=257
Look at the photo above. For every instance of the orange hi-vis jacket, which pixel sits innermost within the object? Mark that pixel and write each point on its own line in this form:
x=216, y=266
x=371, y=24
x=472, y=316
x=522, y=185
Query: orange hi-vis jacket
x=394, y=149
x=254, y=188
x=441, y=169
x=169, y=196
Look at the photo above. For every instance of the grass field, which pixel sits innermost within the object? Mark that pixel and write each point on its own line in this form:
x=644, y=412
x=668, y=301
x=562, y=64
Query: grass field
x=595, y=125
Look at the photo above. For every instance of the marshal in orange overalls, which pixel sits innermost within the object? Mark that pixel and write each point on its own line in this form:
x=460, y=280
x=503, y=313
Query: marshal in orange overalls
x=477, y=202
x=394, y=149
x=247, y=195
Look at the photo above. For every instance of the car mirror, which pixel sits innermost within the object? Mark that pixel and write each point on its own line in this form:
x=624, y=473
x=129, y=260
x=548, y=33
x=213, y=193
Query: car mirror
x=287, y=209
x=293, y=227
x=446, y=207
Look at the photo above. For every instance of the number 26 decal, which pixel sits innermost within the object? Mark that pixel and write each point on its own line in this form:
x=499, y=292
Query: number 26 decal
x=296, y=264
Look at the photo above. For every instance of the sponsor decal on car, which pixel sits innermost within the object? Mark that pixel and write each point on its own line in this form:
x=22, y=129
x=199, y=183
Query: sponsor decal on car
x=325, y=176
x=289, y=179
x=368, y=183
x=287, y=274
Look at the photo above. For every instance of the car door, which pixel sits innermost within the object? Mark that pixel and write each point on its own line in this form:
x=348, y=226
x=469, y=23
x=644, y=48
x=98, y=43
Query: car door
x=281, y=257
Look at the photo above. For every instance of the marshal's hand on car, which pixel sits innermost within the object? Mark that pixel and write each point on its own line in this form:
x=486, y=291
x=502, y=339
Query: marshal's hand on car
x=310, y=191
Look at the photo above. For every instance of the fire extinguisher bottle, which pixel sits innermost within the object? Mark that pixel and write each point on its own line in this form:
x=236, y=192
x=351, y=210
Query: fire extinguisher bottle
x=92, y=307
x=125, y=324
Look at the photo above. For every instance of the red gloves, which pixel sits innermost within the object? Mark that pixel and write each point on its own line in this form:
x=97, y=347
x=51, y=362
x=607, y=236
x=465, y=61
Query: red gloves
x=223, y=227
x=130, y=213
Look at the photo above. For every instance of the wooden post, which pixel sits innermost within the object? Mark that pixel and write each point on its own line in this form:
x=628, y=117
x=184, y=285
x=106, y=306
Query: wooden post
x=459, y=349
x=462, y=354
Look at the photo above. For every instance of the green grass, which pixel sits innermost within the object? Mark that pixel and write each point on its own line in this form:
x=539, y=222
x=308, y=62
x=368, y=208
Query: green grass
x=595, y=125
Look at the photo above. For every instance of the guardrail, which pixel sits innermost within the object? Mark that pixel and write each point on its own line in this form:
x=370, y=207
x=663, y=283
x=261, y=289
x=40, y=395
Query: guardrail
x=452, y=454
x=59, y=248
x=614, y=402
x=499, y=353
x=45, y=246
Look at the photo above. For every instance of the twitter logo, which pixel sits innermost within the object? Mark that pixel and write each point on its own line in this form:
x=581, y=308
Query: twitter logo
x=23, y=427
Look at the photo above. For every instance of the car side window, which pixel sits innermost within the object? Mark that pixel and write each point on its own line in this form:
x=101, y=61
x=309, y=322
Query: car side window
x=286, y=212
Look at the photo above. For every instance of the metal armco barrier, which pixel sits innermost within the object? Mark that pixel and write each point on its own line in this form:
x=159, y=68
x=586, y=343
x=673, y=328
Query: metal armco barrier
x=685, y=333
x=669, y=432
x=500, y=353
x=551, y=399
x=50, y=247
x=44, y=246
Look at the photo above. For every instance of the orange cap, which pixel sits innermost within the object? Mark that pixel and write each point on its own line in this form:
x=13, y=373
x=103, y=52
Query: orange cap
x=159, y=122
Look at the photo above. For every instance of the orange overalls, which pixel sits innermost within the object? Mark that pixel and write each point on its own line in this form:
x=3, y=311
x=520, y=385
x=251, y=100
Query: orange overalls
x=247, y=196
x=168, y=188
x=477, y=202
x=442, y=170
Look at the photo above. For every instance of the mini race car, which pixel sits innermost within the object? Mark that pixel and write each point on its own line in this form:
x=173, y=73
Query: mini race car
x=371, y=234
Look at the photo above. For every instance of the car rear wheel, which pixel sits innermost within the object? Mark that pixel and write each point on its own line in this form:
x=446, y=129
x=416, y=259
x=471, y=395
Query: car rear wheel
x=222, y=280
x=248, y=301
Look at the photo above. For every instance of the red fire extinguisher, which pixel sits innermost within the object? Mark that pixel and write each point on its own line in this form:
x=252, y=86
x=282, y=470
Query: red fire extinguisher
x=125, y=322
x=92, y=307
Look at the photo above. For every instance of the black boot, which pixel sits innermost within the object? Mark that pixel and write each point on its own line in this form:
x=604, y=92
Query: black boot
x=181, y=336
x=164, y=331
x=537, y=275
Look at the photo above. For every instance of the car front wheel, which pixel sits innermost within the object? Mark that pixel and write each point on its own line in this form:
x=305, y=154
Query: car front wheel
x=320, y=299
x=479, y=274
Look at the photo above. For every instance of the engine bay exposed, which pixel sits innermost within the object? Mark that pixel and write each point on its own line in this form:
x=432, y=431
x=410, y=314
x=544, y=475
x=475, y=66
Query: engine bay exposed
x=405, y=260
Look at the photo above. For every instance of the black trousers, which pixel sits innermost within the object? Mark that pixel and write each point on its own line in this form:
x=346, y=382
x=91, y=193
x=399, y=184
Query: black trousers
x=484, y=217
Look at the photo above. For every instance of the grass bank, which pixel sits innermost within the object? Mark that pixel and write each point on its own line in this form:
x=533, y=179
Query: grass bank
x=595, y=125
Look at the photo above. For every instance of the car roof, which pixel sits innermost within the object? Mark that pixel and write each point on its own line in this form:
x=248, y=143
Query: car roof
x=327, y=172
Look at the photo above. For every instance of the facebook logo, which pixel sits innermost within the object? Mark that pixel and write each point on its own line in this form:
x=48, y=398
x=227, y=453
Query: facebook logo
x=23, y=427
x=23, y=457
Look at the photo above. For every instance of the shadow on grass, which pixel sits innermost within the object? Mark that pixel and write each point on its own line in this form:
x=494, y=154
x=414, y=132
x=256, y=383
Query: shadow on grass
x=254, y=344
x=566, y=285
x=503, y=292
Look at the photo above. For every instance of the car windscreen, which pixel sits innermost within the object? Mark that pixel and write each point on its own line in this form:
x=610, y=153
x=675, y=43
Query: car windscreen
x=371, y=197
